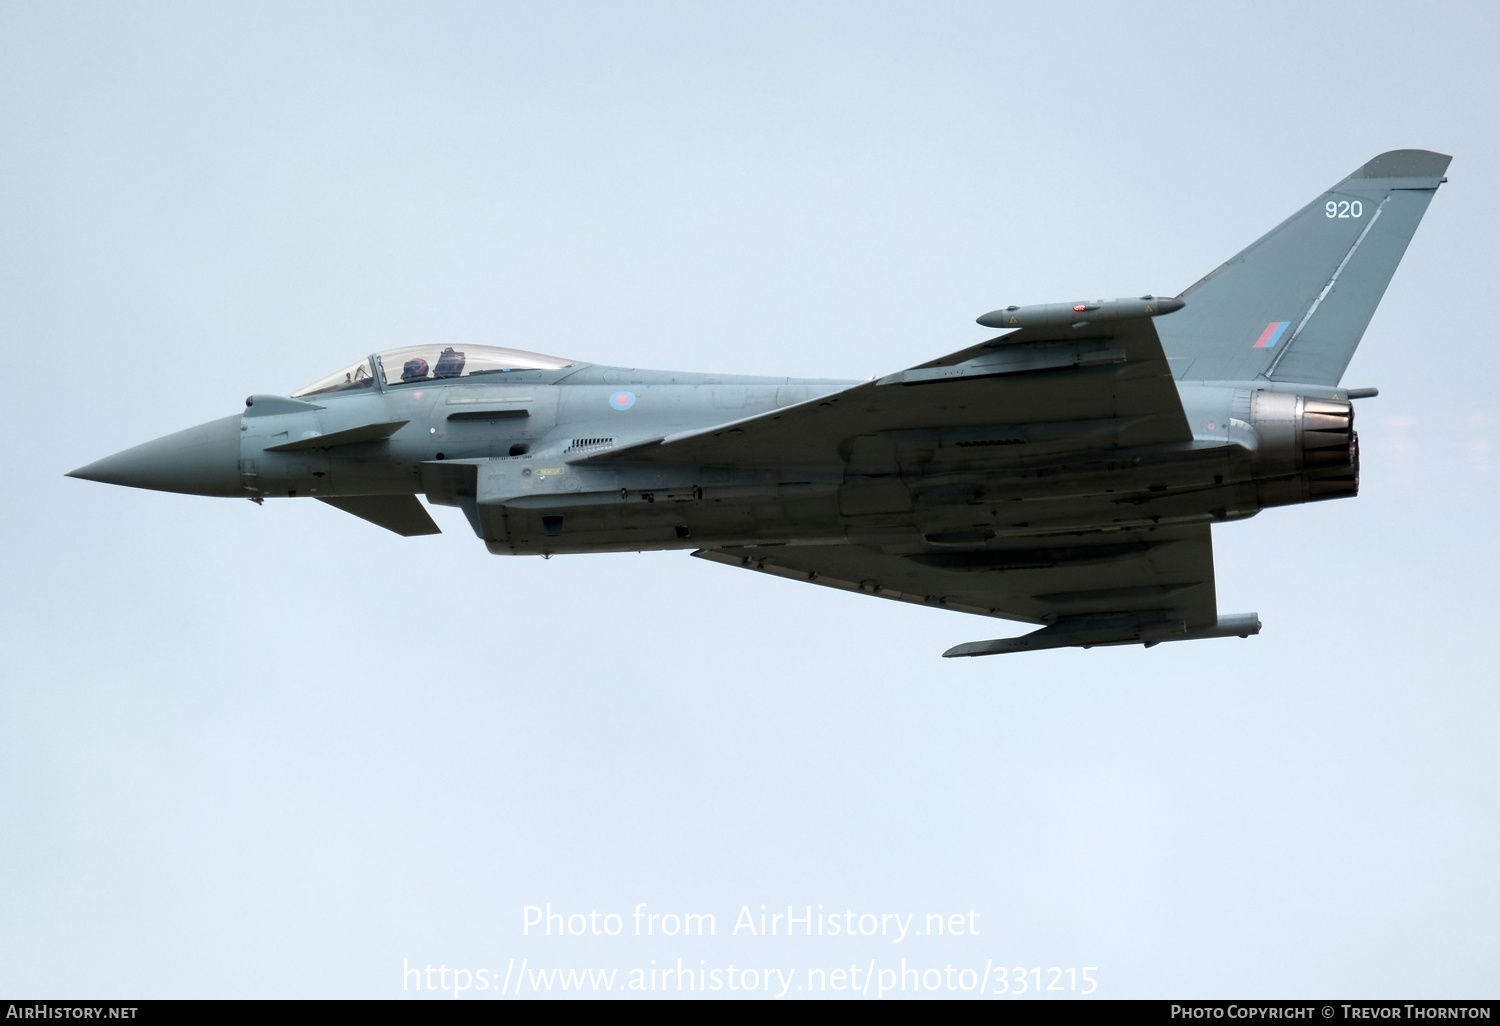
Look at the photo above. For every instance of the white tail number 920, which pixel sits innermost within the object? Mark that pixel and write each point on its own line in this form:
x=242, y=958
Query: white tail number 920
x=1344, y=208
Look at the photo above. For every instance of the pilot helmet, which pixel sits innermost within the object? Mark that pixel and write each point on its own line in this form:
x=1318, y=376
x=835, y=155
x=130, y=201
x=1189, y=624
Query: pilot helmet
x=415, y=369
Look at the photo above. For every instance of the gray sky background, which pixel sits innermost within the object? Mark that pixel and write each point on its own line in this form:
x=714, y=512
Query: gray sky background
x=272, y=751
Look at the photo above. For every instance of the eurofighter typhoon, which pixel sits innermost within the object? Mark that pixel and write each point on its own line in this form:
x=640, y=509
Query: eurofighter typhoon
x=1065, y=473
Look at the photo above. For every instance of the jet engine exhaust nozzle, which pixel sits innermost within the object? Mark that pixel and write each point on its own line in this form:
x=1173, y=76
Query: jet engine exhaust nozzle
x=1308, y=449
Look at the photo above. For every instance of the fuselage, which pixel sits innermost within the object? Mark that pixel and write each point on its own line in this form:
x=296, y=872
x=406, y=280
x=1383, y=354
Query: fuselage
x=512, y=449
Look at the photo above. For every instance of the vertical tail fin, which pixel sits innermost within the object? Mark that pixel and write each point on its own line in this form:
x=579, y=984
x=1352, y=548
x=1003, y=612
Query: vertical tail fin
x=1294, y=305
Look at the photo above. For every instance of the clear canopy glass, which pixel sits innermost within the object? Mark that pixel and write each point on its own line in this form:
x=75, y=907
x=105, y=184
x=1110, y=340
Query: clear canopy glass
x=442, y=363
x=347, y=380
x=432, y=363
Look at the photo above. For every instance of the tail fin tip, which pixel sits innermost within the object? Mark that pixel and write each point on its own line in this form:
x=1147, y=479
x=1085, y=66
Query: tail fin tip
x=1406, y=164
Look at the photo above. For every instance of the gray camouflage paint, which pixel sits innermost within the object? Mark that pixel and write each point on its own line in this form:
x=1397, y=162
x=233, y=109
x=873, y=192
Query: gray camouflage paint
x=1063, y=474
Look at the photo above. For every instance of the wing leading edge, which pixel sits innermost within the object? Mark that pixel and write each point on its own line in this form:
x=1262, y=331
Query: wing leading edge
x=1107, y=372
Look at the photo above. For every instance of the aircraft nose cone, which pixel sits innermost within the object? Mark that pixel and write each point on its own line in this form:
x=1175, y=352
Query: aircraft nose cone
x=203, y=460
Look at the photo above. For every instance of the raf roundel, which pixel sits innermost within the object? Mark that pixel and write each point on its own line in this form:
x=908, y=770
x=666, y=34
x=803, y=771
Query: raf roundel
x=622, y=400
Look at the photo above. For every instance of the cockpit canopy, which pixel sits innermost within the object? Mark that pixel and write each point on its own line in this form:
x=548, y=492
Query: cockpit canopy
x=414, y=364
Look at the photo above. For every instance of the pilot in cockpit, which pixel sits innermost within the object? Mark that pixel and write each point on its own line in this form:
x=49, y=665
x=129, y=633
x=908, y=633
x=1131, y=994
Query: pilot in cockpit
x=415, y=370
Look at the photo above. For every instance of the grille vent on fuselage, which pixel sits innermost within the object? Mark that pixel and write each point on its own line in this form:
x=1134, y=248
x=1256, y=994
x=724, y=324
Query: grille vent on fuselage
x=588, y=444
x=990, y=441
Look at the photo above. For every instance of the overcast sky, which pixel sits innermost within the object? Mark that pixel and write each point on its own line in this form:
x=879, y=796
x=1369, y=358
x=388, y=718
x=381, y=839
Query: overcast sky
x=276, y=751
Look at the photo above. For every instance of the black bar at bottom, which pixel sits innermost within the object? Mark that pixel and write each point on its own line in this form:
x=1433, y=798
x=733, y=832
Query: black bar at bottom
x=1022, y=1009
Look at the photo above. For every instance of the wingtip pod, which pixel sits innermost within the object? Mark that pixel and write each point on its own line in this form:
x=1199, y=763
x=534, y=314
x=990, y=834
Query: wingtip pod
x=1110, y=629
x=1051, y=315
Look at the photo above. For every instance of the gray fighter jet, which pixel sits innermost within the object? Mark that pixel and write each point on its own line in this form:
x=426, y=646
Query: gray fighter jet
x=1065, y=473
